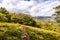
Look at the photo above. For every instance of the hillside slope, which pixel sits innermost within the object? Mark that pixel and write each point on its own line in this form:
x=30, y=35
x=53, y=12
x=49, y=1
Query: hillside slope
x=48, y=26
x=11, y=31
x=41, y=34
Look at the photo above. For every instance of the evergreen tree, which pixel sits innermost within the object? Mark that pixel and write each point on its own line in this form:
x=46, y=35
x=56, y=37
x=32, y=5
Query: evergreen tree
x=57, y=14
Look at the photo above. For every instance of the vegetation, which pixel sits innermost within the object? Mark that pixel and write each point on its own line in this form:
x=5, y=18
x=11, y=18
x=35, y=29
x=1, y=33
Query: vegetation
x=11, y=31
x=57, y=14
x=11, y=25
x=25, y=19
x=48, y=26
x=41, y=34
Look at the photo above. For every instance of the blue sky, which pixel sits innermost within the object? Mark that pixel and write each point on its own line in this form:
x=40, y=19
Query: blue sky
x=32, y=7
x=1, y=1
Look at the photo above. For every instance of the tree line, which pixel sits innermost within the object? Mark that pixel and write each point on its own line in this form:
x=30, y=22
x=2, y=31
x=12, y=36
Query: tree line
x=6, y=16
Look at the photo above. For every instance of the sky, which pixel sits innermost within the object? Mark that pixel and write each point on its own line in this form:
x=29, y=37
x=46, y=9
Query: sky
x=32, y=7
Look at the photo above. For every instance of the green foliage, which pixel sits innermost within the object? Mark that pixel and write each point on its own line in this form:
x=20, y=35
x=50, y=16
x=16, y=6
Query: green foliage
x=57, y=14
x=24, y=19
x=10, y=17
x=3, y=11
x=47, y=26
x=11, y=31
x=3, y=17
x=3, y=14
x=41, y=34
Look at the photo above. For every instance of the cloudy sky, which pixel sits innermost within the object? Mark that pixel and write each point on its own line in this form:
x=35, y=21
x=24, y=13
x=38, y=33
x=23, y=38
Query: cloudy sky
x=32, y=7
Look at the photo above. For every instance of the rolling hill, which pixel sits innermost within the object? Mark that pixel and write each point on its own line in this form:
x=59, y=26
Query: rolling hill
x=45, y=18
x=12, y=31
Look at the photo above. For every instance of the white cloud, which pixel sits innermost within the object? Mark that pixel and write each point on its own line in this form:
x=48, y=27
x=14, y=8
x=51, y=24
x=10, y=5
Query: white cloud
x=24, y=4
x=44, y=9
x=35, y=8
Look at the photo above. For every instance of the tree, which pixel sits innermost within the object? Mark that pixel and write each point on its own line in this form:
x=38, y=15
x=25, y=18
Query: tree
x=24, y=19
x=10, y=17
x=3, y=11
x=57, y=14
x=3, y=17
x=16, y=18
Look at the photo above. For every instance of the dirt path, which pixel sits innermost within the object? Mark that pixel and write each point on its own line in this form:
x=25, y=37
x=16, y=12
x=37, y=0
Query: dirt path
x=24, y=36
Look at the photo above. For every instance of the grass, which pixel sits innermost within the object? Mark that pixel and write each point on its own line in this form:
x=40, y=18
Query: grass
x=48, y=26
x=41, y=34
x=11, y=31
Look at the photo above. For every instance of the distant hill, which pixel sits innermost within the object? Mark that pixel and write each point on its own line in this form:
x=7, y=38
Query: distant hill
x=45, y=18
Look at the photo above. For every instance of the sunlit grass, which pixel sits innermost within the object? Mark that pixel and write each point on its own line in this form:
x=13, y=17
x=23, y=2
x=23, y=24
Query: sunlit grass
x=12, y=31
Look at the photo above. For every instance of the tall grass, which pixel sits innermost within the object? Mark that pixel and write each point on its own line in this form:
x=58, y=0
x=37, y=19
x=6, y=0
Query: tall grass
x=11, y=31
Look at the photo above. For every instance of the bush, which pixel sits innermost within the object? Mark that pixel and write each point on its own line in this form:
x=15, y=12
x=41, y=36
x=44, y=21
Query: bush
x=24, y=19
x=9, y=32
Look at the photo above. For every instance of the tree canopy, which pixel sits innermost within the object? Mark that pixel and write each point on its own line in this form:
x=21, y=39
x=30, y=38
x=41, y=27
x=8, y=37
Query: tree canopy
x=57, y=14
x=25, y=19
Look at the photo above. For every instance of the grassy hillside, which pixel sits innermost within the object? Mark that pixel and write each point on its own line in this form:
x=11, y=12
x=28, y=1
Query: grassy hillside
x=41, y=34
x=11, y=31
x=48, y=26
